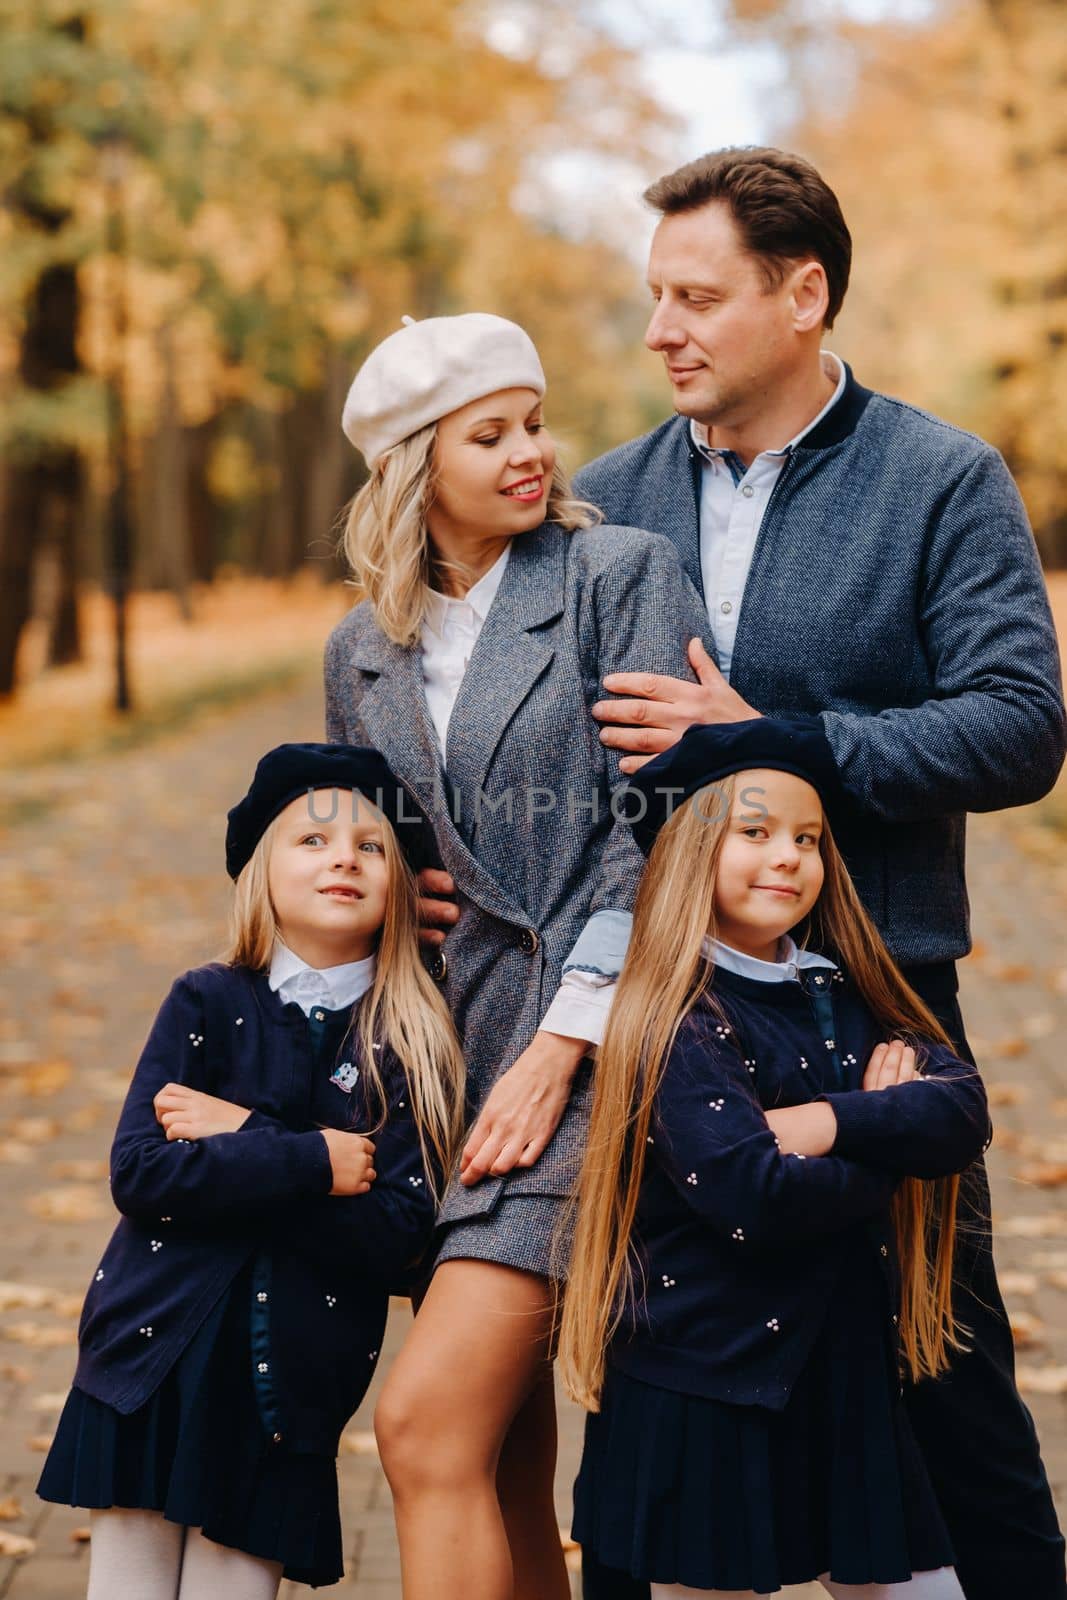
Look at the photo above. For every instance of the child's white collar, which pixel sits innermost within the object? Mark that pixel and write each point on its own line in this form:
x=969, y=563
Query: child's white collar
x=791, y=961
x=332, y=988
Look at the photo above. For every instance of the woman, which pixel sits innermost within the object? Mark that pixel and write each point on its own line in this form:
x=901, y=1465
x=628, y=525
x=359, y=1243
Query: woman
x=494, y=610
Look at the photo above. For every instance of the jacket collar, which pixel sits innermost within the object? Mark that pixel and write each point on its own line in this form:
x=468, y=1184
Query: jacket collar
x=842, y=419
x=508, y=658
x=787, y=969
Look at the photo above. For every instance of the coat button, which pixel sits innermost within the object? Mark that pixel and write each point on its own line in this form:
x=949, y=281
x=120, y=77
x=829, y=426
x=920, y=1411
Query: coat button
x=529, y=943
x=438, y=967
x=277, y=1438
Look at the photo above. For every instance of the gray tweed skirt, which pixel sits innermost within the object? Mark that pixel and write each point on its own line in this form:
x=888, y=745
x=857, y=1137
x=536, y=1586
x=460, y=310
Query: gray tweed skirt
x=529, y=1231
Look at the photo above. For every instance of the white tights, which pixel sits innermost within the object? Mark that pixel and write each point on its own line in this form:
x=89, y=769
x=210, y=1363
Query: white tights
x=941, y=1584
x=142, y=1556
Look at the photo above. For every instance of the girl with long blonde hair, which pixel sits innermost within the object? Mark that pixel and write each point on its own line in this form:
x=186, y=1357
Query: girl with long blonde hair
x=284, y=1140
x=765, y=1218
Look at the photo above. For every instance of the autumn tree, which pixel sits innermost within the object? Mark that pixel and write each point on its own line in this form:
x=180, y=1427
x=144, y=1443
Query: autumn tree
x=296, y=180
x=946, y=140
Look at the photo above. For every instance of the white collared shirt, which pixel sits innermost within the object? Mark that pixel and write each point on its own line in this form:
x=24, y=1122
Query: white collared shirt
x=790, y=964
x=332, y=988
x=733, y=502
x=450, y=631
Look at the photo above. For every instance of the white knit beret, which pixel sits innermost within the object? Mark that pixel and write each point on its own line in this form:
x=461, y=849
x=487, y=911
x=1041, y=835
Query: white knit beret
x=427, y=369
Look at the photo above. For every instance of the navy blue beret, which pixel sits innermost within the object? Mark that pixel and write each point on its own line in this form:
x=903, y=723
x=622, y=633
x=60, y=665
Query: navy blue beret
x=294, y=769
x=707, y=752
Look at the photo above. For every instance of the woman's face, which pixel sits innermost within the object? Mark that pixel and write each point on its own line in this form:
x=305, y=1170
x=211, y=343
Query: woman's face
x=493, y=464
x=770, y=869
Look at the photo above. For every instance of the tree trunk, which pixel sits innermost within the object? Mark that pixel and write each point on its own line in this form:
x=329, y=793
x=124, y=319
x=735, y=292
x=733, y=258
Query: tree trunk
x=329, y=472
x=39, y=473
x=64, y=638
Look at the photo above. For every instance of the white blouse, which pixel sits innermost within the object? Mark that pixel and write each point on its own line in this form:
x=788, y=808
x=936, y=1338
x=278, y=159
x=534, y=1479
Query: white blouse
x=450, y=631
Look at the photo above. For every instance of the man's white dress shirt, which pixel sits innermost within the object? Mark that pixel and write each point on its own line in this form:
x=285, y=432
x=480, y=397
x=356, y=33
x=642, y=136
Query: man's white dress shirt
x=733, y=501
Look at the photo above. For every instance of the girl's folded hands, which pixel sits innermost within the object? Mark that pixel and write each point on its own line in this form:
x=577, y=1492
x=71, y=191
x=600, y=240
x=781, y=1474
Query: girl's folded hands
x=185, y=1113
x=810, y=1130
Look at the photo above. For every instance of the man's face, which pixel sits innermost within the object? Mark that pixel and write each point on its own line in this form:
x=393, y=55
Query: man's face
x=726, y=340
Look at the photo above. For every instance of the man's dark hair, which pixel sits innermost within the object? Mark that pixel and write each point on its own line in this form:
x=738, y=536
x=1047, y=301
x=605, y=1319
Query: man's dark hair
x=783, y=210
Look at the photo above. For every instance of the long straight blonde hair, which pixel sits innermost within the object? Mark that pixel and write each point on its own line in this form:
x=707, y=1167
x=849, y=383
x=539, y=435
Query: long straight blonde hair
x=385, y=538
x=664, y=976
x=403, y=1008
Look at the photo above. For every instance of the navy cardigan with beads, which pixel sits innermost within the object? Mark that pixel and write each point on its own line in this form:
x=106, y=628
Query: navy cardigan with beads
x=739, y=1244
x=194, y=1213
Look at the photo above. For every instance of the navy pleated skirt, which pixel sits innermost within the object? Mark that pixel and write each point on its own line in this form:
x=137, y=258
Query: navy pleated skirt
x=677, y=1488
x=198, y=1452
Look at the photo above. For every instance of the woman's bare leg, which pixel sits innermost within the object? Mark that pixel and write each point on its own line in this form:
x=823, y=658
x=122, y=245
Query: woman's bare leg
x=475, y=1353
x=524, y=1480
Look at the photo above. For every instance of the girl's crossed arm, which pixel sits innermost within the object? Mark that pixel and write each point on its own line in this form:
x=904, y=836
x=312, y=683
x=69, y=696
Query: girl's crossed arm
x=379, y=1226
x=232, y=1174
x=713, y=1139
x=926, y=1125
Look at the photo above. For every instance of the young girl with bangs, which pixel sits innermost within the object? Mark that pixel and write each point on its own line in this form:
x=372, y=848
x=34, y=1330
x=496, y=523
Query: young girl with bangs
x=277, y=1165
x=765, y=1222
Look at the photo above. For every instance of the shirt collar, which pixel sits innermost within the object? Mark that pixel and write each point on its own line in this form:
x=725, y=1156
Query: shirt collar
x=479, y=597
x=833, y=367
x=791, y=961
x=334, y=988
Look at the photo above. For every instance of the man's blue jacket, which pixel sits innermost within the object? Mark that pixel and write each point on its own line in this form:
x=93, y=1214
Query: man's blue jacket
x=895, y=592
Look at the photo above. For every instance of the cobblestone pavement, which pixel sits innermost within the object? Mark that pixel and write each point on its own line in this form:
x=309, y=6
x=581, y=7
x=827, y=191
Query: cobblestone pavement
x=114, y=883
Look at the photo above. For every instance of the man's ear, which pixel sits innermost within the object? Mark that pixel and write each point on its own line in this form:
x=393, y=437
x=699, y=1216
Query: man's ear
x=810, y=295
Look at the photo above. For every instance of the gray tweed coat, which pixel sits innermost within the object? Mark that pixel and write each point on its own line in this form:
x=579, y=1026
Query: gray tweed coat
x=522, y=817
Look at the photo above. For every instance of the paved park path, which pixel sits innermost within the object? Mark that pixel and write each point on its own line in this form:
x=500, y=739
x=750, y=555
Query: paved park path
x=113, y=883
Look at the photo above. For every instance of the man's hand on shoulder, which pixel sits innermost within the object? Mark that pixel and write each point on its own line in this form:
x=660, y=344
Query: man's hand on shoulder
x=655, y=711
x=436, y=913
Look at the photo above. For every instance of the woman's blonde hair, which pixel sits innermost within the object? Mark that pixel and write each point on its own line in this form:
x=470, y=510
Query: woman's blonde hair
x=403, y=1008
x=385, y=538
x=664, y=976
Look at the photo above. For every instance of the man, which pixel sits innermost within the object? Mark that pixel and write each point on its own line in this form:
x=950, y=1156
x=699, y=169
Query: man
x=869, y=565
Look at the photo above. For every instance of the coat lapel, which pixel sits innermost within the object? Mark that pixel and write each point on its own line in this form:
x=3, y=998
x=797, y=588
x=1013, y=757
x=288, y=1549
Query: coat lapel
x=510, y=656
x=393, y=709
x=675, y=509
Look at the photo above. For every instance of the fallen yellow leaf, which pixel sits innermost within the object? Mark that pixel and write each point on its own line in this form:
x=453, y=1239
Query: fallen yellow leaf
x=1049, y=1225
x=16, y=1544
x=79, y=1203
x=1041, y=1380
x=1006, y=1094
x=1018, y=1283
x=37, y=1336
x=33, y=1130
x=49, y=1402
x=83, y=1170
x=45, y=1078
x=1045, y=1174
x=1026, y=1329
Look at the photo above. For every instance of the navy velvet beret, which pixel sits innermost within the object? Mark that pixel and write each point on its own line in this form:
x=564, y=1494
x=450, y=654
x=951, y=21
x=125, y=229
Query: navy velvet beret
x=707, y=752
x=294, y=769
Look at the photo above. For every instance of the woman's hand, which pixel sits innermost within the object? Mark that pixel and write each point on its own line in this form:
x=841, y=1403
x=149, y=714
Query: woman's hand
x=808, y=1130
x=523, y=1108
x=186, y=1113
x=436, y=915
x=890, y=1064
x=351, y=1161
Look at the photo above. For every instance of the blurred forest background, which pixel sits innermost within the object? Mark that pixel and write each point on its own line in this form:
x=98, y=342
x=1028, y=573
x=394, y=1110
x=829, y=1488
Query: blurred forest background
x=209, y=213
